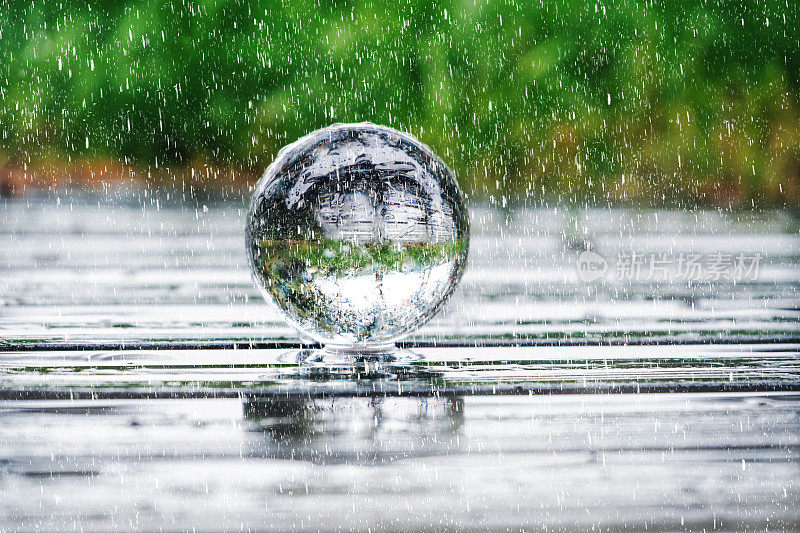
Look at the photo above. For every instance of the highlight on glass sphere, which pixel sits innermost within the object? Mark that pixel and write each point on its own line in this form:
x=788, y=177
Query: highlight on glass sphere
x=358, y=233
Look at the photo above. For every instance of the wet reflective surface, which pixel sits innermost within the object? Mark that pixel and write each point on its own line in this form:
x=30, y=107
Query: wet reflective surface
x=95, y=273
x=193, y=373
x=358, y=233
x=661, y=462
x=144, y=383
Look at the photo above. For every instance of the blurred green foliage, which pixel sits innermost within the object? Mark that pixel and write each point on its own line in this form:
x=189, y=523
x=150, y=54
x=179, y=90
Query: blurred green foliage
x=652, y=101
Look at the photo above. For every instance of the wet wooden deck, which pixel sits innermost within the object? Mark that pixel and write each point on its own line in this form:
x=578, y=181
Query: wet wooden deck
x=145, y=385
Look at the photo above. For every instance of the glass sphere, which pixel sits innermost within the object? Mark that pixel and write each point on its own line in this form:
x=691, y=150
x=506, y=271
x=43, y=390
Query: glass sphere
x=358, y=233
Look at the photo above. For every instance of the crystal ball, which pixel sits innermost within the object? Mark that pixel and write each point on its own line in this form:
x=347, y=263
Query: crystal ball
x=358, y=234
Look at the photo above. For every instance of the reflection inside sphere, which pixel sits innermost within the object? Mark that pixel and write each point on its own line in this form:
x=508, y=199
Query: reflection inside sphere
x=358, y=233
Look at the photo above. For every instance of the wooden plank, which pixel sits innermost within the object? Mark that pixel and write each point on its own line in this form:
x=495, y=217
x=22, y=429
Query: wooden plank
x=662, y=462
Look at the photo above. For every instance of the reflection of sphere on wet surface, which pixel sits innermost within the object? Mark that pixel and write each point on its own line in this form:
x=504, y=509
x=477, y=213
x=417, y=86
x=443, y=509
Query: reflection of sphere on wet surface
x=358, y=233
x=361, y=430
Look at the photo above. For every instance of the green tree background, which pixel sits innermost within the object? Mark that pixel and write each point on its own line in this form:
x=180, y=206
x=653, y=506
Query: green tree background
x=644, y=101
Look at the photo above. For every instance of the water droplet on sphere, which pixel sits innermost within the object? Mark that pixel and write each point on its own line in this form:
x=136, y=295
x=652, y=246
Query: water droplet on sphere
x=358, y=233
